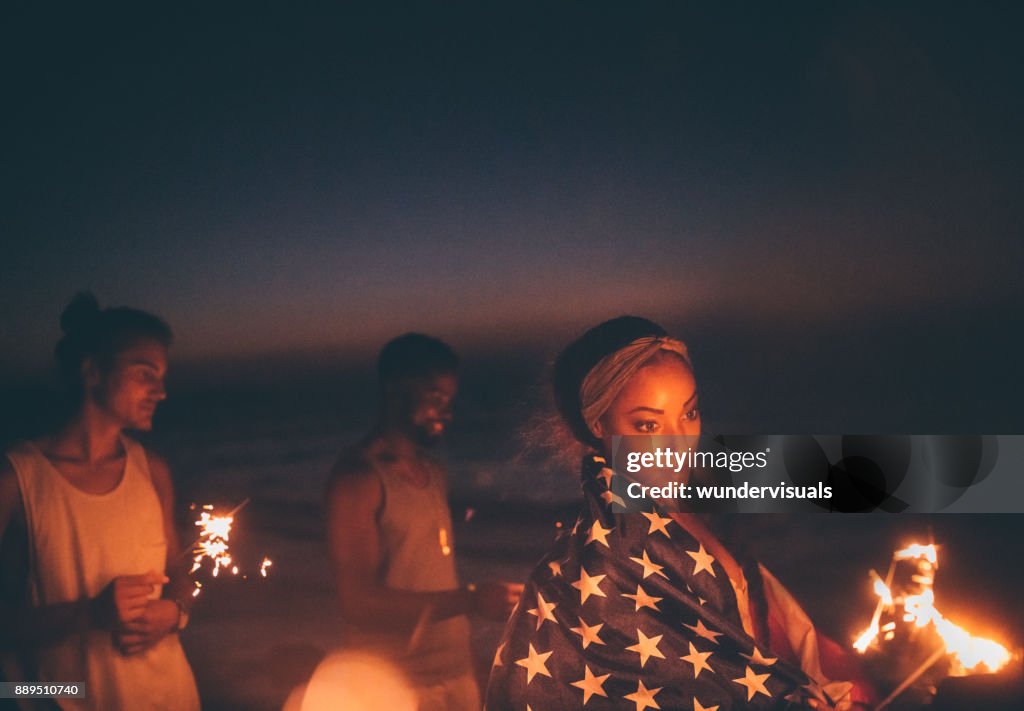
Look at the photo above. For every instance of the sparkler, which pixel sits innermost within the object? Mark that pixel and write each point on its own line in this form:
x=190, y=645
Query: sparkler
x=915, y=605
x=214, y=544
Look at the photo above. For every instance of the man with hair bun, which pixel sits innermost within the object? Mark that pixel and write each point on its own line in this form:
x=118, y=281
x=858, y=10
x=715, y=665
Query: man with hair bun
x=86, y=524
x=390, y=534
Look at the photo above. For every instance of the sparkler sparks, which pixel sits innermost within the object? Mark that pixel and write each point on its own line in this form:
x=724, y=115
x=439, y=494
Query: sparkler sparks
x=967, y=652
x=214, y=544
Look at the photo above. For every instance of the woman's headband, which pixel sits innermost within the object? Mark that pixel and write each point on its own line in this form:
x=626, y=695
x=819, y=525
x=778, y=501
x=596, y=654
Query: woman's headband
x=606, y=379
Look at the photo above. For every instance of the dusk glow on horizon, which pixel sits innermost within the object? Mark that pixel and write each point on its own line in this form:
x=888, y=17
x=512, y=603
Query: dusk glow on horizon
x=325, y=191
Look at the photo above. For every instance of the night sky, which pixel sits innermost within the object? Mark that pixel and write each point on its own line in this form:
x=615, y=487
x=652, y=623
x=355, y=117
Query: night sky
x=286, y=182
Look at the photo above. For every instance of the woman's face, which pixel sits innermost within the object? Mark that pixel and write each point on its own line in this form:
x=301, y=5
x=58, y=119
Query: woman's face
x=660, y=399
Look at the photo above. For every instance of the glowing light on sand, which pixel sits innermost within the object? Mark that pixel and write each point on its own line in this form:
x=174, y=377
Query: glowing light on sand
x=366, y=683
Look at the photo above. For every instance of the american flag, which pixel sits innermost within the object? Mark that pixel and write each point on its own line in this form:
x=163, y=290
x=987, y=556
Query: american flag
x=628, y=611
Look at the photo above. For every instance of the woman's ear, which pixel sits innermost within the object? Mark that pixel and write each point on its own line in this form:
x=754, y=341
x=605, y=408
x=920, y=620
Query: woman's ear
x=598, y=430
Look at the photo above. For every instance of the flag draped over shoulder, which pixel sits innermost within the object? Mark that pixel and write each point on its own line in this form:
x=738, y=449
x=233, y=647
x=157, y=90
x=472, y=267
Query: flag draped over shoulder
x=630, y=612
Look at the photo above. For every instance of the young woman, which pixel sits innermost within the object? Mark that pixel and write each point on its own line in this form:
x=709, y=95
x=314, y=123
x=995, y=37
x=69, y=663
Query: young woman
x=649, y=609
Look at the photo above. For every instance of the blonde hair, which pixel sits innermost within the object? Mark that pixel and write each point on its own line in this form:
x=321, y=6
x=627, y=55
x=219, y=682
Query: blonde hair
x=605, y=380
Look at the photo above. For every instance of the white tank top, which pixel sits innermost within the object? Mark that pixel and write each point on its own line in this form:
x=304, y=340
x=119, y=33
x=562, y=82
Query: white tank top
x=78, y=543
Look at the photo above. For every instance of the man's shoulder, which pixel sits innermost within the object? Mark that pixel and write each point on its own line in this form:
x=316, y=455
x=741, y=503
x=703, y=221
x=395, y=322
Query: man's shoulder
x=17, y=457
x=353, y=468
x=20, y=447
x=354, y=483
x=352, y=460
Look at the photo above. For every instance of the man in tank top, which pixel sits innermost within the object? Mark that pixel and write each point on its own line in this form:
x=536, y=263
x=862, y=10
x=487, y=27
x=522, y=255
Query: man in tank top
x=94, y=590
x=390, y=534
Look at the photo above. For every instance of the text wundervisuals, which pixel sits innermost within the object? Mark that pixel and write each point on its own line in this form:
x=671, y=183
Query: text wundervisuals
x=675, y=490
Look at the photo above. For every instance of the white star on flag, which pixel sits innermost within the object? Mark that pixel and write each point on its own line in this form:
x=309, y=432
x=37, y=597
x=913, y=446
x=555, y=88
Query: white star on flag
x=699, y=660
x=591, y=684
x=588, y=585
x=644, y=697
x=543, y=610
x=649, y=567
x=646, y=647
x=535, y=664
x=658, y=523
x=756, y=658
x=588, y=633
x=642, y=599
x=703, y=560
x=704, y=632
x=754, y=683
x=599, y=533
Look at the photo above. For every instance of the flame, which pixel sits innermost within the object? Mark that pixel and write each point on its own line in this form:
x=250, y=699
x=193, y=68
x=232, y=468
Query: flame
x=264, y=565
x=917, y=550
x=866, y=638
x=883, y=592
x=968, y=652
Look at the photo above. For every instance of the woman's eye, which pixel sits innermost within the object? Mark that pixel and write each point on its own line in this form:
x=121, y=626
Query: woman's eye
x=646, y=426
x=692, y=414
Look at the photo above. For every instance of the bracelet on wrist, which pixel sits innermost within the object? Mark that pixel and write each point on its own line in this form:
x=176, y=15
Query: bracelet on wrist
x=182, y=621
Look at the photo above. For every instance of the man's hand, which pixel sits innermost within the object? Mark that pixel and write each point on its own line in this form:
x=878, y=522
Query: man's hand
x=158, y=619
x=125, y=599
x=495, y=600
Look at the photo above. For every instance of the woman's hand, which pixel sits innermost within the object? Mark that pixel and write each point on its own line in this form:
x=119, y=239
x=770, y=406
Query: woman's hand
x=495, y=600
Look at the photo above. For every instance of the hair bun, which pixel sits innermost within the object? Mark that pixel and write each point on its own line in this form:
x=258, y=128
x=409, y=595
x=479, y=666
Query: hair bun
x=80, y=314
